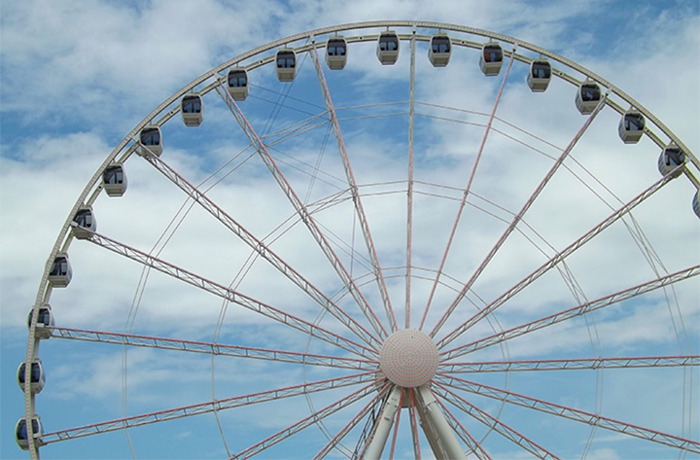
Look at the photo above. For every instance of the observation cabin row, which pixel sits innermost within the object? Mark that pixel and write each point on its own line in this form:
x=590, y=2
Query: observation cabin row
x=588, y=95
x=150, y=141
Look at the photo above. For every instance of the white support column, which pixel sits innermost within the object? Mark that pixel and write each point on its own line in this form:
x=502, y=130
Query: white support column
x=376, y=445
x=439, y=433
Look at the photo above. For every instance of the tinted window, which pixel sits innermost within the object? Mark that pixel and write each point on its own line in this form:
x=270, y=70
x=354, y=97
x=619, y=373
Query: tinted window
x=150, y=136
x=541, y=70
x=191, y=105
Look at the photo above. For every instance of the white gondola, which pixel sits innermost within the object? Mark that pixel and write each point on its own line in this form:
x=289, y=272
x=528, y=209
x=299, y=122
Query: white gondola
x=491, y=59
x=336, y=53
x=21, y=435
x=631, y=127
x=440, y=50
x=696, y=203
x=114, y=180
x=85, y=223
x=237, y=81
x=192, y=109
x=37, y=376
x=151, y=140
x=61, y=271
x=286, y=63
x=671, y=157
x=587, y=97
x=43, y=322
x=388, y=47
x=539, y=76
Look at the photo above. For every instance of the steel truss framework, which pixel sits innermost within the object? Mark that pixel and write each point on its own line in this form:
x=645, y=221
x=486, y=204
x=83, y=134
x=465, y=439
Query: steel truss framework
x=441, y=414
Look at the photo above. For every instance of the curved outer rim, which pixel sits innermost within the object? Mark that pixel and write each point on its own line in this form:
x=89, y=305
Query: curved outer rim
x=94, y=185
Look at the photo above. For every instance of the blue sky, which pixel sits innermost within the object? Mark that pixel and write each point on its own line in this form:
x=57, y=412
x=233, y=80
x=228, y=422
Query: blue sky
x=77, y=76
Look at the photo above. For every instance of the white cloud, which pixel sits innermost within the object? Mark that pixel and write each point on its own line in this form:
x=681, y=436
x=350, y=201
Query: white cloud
x=98, y=68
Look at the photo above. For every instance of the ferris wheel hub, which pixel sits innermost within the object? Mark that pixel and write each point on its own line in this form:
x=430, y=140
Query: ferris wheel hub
x=409, y=358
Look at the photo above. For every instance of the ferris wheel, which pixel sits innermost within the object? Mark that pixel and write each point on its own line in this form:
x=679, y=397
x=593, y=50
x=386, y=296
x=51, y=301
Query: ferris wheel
x=386, y=239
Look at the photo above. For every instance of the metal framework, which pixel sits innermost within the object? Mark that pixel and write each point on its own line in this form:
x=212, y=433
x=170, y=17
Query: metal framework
x=440, y=413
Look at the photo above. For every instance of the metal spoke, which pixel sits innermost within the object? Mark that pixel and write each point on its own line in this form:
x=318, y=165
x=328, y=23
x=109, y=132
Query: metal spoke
x=409, y=199
x=302, y=211
x=492, y=422
x=357, y=199
x=349, y=426
x=212, y=348
x=210, y=406
x=519, y=216
x=466, y=194
x=231, y=295
x=570, y=364
x=263, y=250
x=552, y=262
x=305, y=422
x=571, y=313
x=571, y=414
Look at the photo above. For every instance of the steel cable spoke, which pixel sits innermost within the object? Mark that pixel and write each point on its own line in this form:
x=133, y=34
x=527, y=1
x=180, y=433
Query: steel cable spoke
x=553, y=261
x=519, y=216
x=492, y=422
x=570, y=364
x=230, y=295
x=213, y=348
x=571, y=413
x=302, y=211
x=305, y=422
x=262, y=249
x=332, y=443
x=570, y=313
x=210, y=406
x=464, y=197
x=357, y=199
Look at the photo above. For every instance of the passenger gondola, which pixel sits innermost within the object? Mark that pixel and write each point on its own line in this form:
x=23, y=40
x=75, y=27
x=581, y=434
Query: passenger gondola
x=440, y=50
x=671, y=157
x=22, y=436
x=37, y=376
x=286, y=63
x=491, y=59
x=192, y=109
x=388, y=47
x=61, y=271
x=85, y=222
x=114, y=180
x=539, y=76
x=631, y=127
x=237, y=80
x=44, y=321
x=587, y=97
x=336, y=53
x=696, y=203
x=151, y=140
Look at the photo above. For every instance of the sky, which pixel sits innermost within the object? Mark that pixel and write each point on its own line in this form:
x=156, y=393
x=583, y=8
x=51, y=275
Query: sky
x=78, y=76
